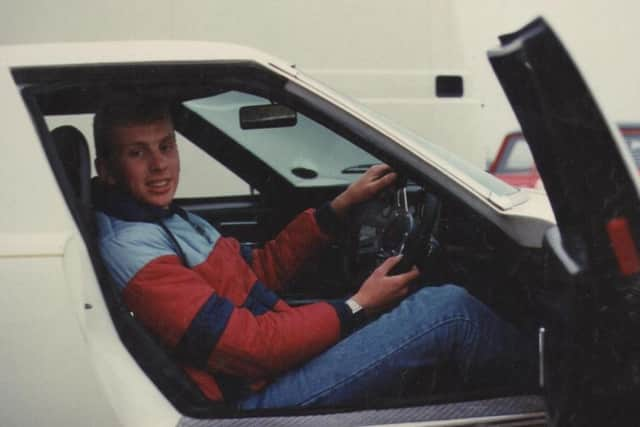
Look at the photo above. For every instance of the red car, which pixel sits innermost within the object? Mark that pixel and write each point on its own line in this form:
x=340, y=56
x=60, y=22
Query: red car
x=514, y=163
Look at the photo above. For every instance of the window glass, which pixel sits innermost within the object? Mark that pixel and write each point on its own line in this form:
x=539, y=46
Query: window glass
x=517, y=157
x=445, y=157
x=306, y=154
x=200, y=174
x=634, y=145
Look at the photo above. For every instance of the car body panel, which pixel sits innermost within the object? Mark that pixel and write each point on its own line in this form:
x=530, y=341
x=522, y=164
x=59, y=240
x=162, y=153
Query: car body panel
x=22, y=214
x=140, y=402
x=131, y=52
x=60, y=359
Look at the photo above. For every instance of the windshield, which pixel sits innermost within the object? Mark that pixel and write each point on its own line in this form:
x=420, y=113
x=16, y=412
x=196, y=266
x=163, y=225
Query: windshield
x=306, y=154
x=454, y=165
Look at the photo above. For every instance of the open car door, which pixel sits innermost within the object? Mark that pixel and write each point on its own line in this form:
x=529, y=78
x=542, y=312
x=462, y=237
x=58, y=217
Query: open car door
x=590, y=298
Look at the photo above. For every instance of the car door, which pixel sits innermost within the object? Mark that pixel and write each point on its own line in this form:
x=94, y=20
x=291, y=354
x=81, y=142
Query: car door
x=589, y=348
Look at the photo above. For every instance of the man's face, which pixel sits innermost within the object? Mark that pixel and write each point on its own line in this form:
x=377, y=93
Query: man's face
x=145, y=161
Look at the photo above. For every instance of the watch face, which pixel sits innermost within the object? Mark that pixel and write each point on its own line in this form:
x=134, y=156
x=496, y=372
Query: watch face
x=354, y=306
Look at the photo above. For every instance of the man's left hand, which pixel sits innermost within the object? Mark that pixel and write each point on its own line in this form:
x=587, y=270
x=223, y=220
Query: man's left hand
x=368, y=185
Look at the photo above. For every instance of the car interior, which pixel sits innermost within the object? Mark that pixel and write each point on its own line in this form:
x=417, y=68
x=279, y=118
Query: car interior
x=450, y=240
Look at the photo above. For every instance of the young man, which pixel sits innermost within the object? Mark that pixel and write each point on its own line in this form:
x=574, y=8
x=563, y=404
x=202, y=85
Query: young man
x=214, y=304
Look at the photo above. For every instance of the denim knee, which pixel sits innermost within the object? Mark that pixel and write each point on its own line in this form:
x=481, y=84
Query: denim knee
x=448, y=301
x=457, y=296
x=454, y=292
x=459, y=300
x=452, y=295
x=443, y=300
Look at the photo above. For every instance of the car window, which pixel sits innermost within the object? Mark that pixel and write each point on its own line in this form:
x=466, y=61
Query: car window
x=517, y=157
x=452, y=162
x=200, y=174
x=633, y=141
x=307, y=154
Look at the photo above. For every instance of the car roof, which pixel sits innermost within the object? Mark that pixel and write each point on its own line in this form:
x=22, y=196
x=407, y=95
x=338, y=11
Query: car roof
x=56, y=54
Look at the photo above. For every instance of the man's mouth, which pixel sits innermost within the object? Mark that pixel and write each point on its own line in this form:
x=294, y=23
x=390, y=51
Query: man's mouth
x=160, y=184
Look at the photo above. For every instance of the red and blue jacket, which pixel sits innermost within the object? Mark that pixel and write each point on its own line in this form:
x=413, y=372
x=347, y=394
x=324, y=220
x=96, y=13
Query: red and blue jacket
x=210, y=300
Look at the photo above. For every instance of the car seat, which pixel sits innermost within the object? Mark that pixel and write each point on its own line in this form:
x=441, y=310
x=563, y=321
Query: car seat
x=73, y=151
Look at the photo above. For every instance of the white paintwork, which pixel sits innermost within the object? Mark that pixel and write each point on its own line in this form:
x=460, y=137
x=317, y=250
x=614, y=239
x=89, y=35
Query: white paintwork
x=135, y=400
x=20, y=245
x=128, y=52
x=62, y=362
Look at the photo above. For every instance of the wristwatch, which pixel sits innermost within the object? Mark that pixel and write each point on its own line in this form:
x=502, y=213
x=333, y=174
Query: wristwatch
x=358, y=316
x=354, y=306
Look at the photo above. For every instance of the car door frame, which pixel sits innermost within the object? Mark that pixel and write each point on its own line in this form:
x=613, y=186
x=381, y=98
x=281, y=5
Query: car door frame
x=159, y=368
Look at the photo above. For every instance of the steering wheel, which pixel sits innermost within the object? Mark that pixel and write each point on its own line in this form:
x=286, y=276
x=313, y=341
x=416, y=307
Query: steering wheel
x=385, y=226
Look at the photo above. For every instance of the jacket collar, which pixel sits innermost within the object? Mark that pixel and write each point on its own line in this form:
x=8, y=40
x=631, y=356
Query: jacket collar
x=122, y=205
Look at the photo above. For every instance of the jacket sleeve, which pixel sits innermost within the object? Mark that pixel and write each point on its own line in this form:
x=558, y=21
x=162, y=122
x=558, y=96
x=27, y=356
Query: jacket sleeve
x=181, y=308
x=279, y=259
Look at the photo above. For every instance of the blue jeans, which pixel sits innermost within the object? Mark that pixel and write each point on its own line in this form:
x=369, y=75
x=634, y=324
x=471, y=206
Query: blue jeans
x=433, y=326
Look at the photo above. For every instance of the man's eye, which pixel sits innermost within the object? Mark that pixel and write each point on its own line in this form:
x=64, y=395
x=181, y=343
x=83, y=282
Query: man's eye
x=167, y=147
x=135, y=153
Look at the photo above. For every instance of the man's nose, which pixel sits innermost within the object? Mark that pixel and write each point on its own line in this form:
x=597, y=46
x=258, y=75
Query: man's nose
x=158, y=160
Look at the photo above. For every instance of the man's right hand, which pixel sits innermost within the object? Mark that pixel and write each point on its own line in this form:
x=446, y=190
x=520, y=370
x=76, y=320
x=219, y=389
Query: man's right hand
x=380, y=291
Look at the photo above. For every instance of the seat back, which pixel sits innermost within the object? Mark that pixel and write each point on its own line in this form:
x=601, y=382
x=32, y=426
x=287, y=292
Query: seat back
x=73, y=151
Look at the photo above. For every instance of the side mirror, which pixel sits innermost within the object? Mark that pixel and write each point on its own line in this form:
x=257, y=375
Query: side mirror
x=267, y=116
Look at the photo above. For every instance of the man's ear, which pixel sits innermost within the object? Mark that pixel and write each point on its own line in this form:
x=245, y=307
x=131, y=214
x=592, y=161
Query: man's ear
x=104, y=171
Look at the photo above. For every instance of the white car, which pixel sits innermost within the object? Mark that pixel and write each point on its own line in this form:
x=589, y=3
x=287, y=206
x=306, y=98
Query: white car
x=72, y=354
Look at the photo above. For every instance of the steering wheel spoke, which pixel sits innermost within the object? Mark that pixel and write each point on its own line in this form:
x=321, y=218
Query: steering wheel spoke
x=385, y=226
